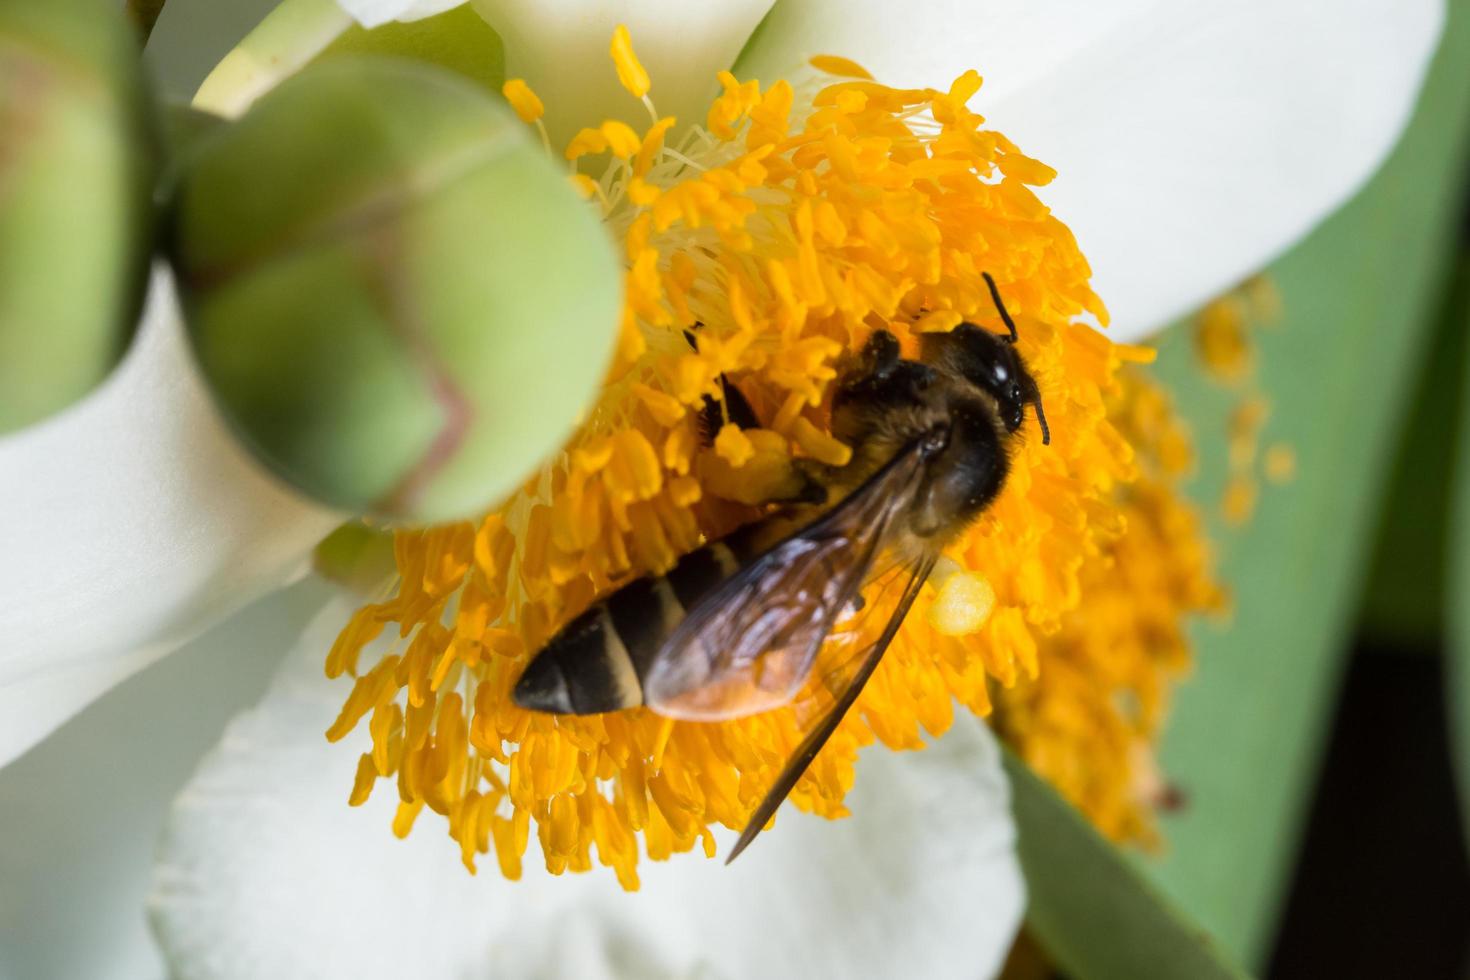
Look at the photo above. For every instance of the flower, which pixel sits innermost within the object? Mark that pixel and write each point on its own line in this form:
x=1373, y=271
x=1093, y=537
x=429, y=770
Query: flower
x=1149, y=215
x=304, y=878
x=782, y=232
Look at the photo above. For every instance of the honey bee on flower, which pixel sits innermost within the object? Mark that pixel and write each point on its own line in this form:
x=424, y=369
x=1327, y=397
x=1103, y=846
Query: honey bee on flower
x=778, y=237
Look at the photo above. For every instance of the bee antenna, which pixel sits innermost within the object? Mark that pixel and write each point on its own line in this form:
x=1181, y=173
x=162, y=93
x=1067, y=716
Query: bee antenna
x=1005, y=317
x=1041, y=421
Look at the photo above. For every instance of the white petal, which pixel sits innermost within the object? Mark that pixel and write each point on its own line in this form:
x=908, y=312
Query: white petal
x=371, y=13
x=561, y=48
x=131, y=522
x=82, y=811
x=266, y=872
x=1194, y=141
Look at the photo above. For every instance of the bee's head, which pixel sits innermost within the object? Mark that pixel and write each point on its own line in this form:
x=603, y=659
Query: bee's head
x=965, y=466
x=992, y=364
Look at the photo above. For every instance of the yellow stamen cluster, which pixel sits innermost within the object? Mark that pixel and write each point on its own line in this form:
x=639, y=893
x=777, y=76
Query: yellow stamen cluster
x=1088, y=722
x=780, y=235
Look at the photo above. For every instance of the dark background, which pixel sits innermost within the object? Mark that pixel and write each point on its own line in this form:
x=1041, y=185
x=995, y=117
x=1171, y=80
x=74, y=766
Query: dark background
x=1382, y=882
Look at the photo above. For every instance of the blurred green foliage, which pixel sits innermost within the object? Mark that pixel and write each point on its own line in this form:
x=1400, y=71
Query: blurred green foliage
x=1404, y=603
x=1361, y=295
x=1096, y=916
x=1457, y=593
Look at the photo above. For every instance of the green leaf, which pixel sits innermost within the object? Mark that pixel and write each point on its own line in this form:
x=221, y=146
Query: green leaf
x=1246, y=731
x=1405, y=602
x=1092, y=910
x=1457, y=609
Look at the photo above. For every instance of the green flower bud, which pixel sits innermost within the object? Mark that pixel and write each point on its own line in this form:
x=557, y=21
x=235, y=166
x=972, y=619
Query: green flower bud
x=76, y=170
x=400, y=302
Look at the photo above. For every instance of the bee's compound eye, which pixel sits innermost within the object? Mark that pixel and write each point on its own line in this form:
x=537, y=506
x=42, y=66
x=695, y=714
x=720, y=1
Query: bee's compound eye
x=934, y=441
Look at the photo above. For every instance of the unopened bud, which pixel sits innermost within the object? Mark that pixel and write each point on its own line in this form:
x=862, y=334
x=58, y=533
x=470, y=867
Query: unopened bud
x=76, y=171
x=399, y=300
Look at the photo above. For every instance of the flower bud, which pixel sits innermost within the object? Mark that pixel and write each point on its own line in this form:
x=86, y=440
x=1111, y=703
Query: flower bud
x=399, y=300
x=76, y=166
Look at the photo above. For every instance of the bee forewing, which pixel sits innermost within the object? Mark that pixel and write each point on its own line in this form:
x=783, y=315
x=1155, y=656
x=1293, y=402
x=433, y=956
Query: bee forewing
x=847, y=683
x=749, y=644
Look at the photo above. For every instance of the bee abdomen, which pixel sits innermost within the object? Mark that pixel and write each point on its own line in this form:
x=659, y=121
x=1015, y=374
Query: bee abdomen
x=598, y=661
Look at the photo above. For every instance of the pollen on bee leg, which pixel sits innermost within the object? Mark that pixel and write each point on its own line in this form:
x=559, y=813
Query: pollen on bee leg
x=734, y=445
x=962, y=603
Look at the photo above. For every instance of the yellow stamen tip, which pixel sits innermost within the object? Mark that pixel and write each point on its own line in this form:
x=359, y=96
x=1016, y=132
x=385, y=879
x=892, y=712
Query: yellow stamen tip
x=939, y=321
x=587, y=141
x=631, y=74
x=586, y=186
x=621, y=139
x=524, y=101
x=832, y=64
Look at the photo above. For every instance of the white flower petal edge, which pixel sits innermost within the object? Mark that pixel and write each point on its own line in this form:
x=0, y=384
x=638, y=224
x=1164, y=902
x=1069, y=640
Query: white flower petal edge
x=371, y=13
x=132, y=521
x=265, y=871
x=82, y=811
x=1194, y=141
x=561, y=48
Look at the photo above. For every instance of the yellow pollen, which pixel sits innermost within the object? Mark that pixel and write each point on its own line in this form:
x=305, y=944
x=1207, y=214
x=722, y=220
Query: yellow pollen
x=1221, y=340
x=962, y=604
x=1239, y=502
x=1225, y=345
x=1280, y=463
x=780, y=235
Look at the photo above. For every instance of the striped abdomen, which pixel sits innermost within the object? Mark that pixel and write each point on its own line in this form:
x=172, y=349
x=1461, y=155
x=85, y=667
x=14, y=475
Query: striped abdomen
x=598, y=661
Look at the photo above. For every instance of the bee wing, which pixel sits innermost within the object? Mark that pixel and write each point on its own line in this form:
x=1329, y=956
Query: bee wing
x=862, y=667
x=749, y=644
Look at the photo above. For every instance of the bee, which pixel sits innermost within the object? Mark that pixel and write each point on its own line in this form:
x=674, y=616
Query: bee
x=735, y=626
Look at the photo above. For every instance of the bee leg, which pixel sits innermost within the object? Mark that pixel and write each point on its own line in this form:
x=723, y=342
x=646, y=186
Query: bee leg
x=811, y=480
x=732, y=405
x=880, y=355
